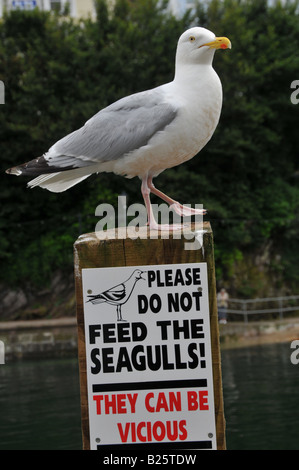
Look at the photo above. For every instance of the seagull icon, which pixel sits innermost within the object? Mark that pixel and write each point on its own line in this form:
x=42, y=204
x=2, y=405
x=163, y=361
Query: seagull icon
x=119, y=294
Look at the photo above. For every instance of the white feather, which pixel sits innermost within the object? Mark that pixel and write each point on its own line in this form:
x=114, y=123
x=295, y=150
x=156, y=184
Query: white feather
x=57, y=182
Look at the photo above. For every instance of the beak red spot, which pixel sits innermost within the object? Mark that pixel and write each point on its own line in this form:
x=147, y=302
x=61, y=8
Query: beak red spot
x=223, y=46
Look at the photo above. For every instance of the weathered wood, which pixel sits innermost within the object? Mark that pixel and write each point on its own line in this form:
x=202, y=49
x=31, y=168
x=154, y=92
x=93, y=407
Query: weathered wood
x=90, y=252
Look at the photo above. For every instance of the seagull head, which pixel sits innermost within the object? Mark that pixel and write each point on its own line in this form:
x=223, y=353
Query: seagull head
x=138, y=274
x=198, y=45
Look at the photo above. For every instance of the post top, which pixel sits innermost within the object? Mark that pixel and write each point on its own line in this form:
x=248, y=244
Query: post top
x=144, y=233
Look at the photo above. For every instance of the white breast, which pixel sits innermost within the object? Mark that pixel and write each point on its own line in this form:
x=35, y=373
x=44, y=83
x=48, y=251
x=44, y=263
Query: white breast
x=199, y=108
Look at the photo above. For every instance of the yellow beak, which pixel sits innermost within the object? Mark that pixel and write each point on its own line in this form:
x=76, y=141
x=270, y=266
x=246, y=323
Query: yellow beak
x=219, y=43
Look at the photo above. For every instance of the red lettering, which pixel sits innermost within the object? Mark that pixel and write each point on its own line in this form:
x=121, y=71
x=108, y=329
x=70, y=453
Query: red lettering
x=133, y=431
x=183, y=430
x=132, y=399
x=175, y=401
x=192, y=401
x=98, y=399
x=110, y=404
x=161, y=403
x=124, y=435
x=139, y=434
x=148, y=406
x=172, y=434
x=164, y=402
x=116, y=403
x=203, y=400
x=121, y=403
x=157, y=431
x=159, y=436
x=149, y=431
x=198, y=400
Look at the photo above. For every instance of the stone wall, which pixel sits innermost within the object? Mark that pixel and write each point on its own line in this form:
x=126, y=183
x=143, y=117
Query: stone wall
x=39, y=338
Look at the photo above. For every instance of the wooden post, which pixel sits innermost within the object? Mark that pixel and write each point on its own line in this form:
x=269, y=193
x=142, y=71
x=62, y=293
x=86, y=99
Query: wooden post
x=91, y=252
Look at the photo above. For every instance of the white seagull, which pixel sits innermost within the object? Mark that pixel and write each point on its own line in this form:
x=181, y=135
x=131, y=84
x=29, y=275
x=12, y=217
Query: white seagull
x=144, y=133
x=119, y=294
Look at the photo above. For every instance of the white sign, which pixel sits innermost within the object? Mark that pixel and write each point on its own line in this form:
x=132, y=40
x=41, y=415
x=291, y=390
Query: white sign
x=148, y=351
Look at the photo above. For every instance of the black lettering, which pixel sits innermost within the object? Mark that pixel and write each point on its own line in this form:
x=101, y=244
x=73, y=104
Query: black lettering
x=196, y=328
x=138, y=360
x=188, y=277
x=94, y=331
x=179, y=364
x=166, y=364
x=123, y=333
x=186, y=302
x=107, y=360
x=164, y=325
x=153, y=364
x=159, y=282
x=173, y=302
x=177, y=329
x=139, y=331
x=109, y=333
x=95, y=359
x=178, y=278
x=155, y=303
x=197, y=296
x=192, y=351
x=123, y=360
x=151, y=276
x=196, y=276
x=168, y=277
x=142, y=303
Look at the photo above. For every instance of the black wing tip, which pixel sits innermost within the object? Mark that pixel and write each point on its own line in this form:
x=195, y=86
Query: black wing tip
x=16, y=170
x=38, y=166
x=35, y=167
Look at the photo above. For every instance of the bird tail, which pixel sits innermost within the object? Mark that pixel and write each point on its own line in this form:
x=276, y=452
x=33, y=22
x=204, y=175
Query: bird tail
x=96, y=299
x=59, y=182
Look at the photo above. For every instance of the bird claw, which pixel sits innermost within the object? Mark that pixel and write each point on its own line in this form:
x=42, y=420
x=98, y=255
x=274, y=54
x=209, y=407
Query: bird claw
x=185, y=211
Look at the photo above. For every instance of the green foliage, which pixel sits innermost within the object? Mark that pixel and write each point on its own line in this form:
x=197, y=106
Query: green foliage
x=59, y=72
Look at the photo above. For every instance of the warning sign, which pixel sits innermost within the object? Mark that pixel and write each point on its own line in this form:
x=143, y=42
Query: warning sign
x=148, y=354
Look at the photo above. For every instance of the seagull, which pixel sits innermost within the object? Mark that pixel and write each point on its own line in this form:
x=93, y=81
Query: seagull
x=145, y=133
x=118, y=295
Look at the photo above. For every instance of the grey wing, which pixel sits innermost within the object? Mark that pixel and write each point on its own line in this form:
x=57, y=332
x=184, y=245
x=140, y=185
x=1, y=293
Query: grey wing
x=122, y=127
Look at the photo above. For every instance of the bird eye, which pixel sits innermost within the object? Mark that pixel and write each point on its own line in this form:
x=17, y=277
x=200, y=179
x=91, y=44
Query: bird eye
x=192, y=39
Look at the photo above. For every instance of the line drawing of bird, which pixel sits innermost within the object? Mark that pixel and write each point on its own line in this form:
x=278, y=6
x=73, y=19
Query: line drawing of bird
x=119, y=294
x=145, y=133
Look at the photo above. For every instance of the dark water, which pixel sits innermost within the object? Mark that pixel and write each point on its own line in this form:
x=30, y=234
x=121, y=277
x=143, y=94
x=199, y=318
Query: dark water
x=40, y=405
x=40, y=402
x=261, y=398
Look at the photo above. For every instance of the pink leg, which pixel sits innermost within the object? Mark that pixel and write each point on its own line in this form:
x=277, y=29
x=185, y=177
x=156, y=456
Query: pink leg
x=177, y=207
x=152, y=223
